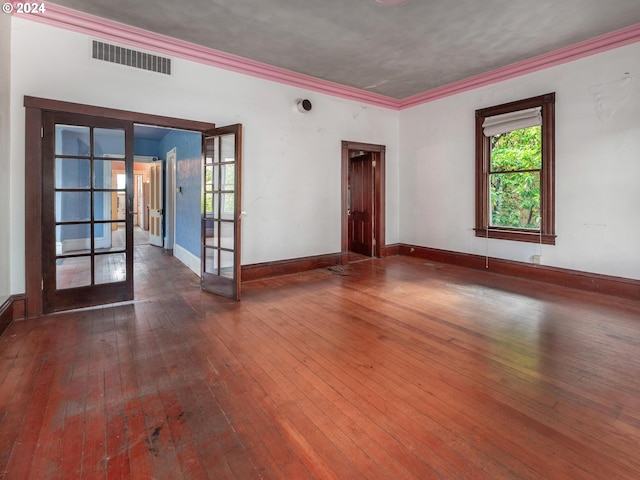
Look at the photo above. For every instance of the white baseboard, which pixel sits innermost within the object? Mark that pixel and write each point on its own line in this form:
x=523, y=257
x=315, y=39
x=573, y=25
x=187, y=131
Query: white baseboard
x=188, y=258
x=76, y=244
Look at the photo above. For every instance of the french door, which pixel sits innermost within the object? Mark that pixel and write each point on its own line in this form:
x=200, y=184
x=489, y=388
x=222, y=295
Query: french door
x=220, y=245
x=87, y=211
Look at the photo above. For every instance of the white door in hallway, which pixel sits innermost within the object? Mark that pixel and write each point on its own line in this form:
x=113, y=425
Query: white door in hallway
x=156, y=212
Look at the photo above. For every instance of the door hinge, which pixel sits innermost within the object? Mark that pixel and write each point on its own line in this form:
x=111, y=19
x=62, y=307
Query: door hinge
x=42, y=131
x=42, y=284
x=374, y=242
x=374, y=164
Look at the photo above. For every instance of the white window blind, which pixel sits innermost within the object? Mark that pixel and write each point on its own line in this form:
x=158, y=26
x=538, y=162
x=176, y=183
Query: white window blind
x=508, y=122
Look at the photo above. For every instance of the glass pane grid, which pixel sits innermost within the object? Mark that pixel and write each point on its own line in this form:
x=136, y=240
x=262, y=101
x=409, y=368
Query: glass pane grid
x=90, y=241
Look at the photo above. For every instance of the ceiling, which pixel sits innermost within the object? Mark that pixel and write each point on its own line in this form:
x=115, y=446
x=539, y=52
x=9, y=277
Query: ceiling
x=392, y=50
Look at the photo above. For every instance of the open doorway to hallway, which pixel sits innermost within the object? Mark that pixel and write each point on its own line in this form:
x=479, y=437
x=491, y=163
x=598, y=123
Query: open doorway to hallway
x=72, y=152
x=167, y=190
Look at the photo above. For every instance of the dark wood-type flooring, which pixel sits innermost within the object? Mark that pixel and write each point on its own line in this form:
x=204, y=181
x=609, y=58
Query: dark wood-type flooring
x=388, y=368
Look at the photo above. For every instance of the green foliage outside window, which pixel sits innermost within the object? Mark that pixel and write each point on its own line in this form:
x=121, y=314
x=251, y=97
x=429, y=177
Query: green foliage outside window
x=516, y=162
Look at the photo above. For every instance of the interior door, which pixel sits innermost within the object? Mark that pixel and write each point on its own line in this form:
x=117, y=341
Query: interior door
x=222, y=168
x=156, y=212
x=87, y=251
x=361, y=170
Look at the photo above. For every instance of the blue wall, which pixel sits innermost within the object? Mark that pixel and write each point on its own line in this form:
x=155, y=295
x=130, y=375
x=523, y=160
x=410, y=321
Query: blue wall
x=150, y=148
x=188, y=147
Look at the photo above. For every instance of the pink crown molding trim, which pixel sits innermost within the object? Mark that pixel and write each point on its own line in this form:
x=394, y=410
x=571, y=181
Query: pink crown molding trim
x=91, y=25
x=583, y=49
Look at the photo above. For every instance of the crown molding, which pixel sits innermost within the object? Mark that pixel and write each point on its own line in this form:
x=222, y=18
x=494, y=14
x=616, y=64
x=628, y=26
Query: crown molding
x=94, y=26
x=120, y=33
x=583, y=49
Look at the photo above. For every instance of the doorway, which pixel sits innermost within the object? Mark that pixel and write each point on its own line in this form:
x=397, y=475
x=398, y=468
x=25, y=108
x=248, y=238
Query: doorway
x=363, y=206
x=55, y=233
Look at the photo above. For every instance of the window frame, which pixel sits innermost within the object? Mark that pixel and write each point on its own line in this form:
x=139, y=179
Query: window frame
x=546, y=234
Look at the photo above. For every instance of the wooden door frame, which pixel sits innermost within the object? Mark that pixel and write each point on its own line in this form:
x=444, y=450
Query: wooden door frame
x=34, y=111
x=378, y=153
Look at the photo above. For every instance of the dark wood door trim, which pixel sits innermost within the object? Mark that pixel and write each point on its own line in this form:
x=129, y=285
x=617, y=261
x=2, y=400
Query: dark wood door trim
x=34, y=111
x=378, y=153
x=145, y=118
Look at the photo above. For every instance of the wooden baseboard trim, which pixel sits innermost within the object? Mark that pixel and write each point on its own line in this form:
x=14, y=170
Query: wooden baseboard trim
x=13, y=308
x=390, y=250
x=258, y=271
x=592, y=282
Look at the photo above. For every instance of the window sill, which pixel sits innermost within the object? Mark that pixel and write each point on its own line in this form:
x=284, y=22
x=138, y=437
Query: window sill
x=516, y=235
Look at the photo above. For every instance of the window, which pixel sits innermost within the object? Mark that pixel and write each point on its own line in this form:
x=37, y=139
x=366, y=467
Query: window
x=515, y=171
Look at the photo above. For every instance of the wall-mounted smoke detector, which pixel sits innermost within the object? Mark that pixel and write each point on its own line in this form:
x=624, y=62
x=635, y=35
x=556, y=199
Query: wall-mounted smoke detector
x=303, y=105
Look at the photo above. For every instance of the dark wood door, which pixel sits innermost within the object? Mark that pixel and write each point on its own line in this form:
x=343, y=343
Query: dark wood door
x=361, y=170
x=222, y=186
x=87, y=176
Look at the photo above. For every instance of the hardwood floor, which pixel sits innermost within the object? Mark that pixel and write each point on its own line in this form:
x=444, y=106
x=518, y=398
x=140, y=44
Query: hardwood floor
x=386, y=368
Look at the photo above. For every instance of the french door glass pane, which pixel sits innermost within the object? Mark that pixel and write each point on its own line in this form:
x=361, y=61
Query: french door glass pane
x=228, y=200
x=227, y=235
x=73, y=239
x=73, y=173
x=228, y=148
x=229, y=177
x=211, y=232
x=208, y=203
x=117, y=232
x=208, y=177
x=211, y=261
x=104, y=173
x=226, y=264
x=108, y=142
x=73, y=140
x=73, y=272
x=110, y=268
x=105, y=206
x=73, y=206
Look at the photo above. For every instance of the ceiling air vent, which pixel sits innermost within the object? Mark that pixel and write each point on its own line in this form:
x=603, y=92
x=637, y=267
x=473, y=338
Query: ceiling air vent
x=131, y=58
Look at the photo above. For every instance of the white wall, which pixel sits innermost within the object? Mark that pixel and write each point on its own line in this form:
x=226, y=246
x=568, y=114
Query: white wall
x=597, y=166
x=5, y=131
x=292, y=161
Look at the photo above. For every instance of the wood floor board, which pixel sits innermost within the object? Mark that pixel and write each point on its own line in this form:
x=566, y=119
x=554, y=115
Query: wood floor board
x=359, y=337
x=200, y=440
x=382, y=368
x=315, y=405
x=386, y=404
x=287, y=397
x=248, y=403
